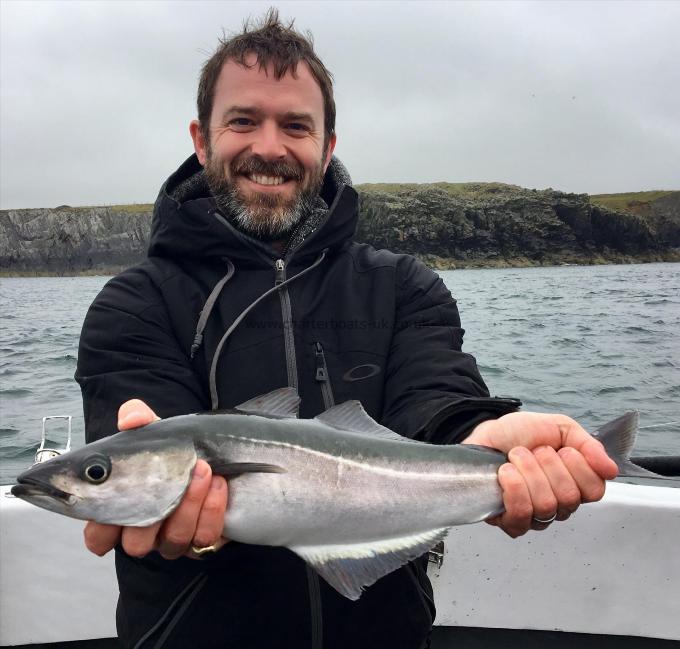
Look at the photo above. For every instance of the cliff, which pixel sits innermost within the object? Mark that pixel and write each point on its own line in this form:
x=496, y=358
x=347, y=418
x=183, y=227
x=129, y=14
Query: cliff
x=492, y=224
x=448, y=225
x=69, y=240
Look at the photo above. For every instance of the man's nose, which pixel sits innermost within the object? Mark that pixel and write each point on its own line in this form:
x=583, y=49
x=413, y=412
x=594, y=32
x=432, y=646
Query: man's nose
x=268, y=143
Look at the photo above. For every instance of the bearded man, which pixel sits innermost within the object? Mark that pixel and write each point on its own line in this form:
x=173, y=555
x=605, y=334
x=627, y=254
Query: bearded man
x=251, y=273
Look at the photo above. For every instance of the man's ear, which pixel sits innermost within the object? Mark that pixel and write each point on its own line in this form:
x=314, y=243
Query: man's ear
x=329, y=151
x=200, y=145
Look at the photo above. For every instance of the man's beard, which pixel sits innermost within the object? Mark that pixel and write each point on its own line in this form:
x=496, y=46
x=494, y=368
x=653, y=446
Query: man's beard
x=264, y=215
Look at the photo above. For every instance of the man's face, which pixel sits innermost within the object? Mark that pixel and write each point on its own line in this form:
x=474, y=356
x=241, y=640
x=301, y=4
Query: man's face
x=265, y=157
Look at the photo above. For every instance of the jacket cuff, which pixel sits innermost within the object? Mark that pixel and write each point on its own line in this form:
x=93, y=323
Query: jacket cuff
x=453, y=421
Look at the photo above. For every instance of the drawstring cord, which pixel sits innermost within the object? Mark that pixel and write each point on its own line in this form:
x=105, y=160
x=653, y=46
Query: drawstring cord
x=208, y=307
x=214, y=399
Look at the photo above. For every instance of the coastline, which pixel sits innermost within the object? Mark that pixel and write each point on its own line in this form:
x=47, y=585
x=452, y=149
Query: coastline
x=433, y=261
x=446, y=225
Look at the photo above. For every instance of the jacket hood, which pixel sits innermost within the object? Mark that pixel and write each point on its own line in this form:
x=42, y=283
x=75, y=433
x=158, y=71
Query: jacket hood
x=187, y=224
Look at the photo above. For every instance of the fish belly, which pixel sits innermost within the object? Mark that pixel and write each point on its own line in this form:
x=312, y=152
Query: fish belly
x=321, y=499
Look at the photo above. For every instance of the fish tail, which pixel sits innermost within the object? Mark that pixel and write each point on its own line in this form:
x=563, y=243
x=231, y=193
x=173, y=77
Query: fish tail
x=618, y=437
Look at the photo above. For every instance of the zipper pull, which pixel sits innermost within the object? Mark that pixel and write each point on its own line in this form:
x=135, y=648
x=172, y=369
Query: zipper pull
x=321, y=374
x=280, y=271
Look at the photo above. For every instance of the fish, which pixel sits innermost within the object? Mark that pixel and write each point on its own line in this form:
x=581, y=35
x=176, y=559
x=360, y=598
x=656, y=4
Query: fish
x=352, y=498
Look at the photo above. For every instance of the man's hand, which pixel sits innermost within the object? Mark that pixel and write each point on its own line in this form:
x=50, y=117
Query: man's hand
x=554, y=466
x=197, y=521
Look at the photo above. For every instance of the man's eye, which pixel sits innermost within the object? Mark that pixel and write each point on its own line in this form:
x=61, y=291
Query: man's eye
x=241, y=122
x=295, y=127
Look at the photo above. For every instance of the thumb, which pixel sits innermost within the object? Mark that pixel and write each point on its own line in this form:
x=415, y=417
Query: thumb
x=135, y=413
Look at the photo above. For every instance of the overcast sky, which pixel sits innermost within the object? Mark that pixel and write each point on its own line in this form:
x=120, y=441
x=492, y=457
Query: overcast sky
x=96, y=97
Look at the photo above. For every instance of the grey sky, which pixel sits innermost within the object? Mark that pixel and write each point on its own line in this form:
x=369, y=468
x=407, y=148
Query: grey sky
x=96, y=97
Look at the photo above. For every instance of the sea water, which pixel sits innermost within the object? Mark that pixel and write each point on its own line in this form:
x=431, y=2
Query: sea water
x=588, y=341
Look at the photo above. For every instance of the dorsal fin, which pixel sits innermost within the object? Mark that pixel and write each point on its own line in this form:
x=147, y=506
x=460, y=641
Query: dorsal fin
x=351, y=417
x=283, y=402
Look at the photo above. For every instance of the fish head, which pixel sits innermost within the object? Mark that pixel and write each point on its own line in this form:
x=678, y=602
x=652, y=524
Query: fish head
x=126, y=479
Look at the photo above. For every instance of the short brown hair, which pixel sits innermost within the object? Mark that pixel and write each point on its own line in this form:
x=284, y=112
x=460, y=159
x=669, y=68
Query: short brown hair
x=274, y=44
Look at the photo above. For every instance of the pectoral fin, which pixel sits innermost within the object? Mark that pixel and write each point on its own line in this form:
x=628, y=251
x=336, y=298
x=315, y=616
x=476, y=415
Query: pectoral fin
x=351, y=568
x=233, y=469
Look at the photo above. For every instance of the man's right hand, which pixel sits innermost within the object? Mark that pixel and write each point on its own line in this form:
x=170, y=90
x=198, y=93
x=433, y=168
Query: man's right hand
x=198, y=520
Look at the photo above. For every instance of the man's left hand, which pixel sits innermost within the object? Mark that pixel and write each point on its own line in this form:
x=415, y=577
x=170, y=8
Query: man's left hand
x=553, y=466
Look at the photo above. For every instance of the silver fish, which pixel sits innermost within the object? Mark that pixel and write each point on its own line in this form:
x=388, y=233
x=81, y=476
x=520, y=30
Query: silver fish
x=349, y=496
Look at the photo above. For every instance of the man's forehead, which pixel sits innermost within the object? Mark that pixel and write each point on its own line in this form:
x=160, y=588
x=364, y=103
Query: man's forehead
x=253, y=86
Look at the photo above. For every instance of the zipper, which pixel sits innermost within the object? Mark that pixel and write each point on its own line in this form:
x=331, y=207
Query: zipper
x=313, y=586
x=323, y=377
x=287, y=318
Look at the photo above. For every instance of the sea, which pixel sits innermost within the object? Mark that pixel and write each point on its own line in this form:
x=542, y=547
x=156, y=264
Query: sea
x=588, y=341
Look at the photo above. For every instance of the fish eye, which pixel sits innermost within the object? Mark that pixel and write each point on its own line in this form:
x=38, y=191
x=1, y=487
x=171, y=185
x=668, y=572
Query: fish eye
x=96, y=469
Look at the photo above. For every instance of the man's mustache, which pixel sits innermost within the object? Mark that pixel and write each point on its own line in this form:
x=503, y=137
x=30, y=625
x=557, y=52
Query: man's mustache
x=257, y=165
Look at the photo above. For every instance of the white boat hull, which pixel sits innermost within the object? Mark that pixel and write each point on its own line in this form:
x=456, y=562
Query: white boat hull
x=613, y=568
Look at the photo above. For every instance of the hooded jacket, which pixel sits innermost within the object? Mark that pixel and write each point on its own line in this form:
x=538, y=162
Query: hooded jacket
x=213, y=318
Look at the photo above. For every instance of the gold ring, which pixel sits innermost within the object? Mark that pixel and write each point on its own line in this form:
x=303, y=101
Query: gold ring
x=206, y=550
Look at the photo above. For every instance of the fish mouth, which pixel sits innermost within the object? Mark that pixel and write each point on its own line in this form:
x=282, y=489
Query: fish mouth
x=28, y=487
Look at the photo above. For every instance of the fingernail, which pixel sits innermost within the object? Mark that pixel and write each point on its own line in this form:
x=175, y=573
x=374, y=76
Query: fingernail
x=201, y=469
x=216, y=483
x=519, y=452
x=122, y=420
x=507, y=471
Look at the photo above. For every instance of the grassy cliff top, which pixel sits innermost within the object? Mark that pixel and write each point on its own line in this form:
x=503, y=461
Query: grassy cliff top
x=462, y=190
x=630, y=202
x=625, y=202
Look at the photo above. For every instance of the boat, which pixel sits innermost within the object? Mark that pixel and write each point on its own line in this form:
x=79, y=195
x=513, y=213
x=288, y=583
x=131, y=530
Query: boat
x=607, y=577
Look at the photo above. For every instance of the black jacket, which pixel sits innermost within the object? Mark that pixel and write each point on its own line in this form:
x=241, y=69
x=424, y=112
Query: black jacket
x=360, y=324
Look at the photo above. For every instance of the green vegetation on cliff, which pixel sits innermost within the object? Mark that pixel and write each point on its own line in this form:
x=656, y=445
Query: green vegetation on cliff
x=635, y=202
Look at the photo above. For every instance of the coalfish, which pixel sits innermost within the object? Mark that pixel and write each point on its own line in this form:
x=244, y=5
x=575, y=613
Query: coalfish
x=349, y=496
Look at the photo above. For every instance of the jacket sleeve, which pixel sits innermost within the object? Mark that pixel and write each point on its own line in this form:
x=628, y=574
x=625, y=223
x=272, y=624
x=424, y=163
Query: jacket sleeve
x=433, y=390
x=129, y=351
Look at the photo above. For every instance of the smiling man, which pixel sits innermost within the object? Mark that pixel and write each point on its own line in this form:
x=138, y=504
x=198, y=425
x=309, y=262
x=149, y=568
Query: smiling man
x=253, y=282
x=264, y=146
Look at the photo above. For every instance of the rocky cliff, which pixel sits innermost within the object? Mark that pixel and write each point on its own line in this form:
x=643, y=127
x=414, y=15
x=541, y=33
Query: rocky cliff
x=68, y=240
x=448, y=225
x=481, y=224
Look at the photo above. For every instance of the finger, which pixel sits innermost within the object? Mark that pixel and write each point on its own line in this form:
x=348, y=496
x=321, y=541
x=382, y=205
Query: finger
x=211, y=517
x=589, y=483
x=564, y=487
x=179, y=529
x=516, y=520
x=100, y=538
x=574, y=435
x=543, y=499
x=596, y=456
x=139, y=541
x=135, y=413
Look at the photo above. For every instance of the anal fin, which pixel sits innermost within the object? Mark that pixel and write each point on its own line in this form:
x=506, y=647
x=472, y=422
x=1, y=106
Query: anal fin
x=351, y=568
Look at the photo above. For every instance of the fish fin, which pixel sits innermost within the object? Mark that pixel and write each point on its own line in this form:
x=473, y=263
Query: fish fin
x=351, y=568
x=618, y=437
x=283, y=402
x=234, y=469
x=351, y=417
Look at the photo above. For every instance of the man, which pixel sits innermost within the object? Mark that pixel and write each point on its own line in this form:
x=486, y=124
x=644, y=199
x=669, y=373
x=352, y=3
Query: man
x=250, y=283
